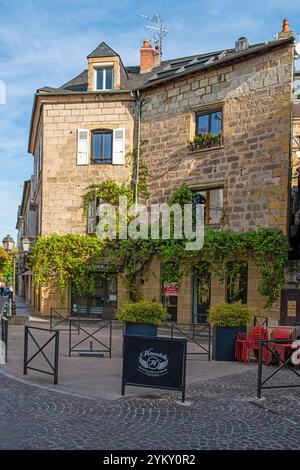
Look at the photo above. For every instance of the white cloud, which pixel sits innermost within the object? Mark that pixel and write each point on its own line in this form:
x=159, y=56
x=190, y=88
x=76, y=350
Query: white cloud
x=46, y=43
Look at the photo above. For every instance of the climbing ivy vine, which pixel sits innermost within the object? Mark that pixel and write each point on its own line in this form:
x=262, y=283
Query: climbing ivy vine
x=64, y=260
x=70, y=259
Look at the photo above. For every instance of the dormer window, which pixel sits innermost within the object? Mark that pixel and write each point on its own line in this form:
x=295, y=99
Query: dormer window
x=103, y=77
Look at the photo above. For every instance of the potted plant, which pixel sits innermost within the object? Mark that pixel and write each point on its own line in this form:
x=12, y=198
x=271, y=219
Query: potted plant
x=204, y=141
x=141, y=318
x=228, y=320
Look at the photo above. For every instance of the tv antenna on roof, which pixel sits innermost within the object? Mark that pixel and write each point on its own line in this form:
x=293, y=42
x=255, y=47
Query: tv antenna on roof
x=157, y=28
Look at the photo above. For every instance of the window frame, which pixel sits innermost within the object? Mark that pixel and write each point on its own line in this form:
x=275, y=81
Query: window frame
x=102, y=161
x=103, y=67
x=209, y=112
x=207, y=205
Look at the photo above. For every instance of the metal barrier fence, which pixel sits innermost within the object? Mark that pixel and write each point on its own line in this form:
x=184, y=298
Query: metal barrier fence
x=265, y=349
x=53, y=365
x=262, y=321
x=5, y=307
x=57, y=319
x=4, y=335
x=198, y=334
x=4, y=331
x=99, y=325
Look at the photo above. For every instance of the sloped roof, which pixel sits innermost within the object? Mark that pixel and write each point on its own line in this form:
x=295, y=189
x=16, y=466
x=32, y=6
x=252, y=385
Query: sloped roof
x=103, y=50
x=167, y=70
x=78, y=83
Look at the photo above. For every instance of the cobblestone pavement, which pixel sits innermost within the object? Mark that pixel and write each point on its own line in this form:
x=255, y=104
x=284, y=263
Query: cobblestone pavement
x=222, y=414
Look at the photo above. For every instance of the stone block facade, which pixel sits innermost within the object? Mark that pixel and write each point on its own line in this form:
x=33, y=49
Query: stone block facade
x=252, y=164
x=65, y=182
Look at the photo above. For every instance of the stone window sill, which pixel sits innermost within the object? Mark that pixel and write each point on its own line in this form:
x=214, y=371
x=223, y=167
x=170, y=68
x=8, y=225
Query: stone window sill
x=210, y=149
x=92, y=162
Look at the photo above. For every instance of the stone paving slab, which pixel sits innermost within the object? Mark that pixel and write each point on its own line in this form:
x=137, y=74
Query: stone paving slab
x=97, y=377
x=222, y=414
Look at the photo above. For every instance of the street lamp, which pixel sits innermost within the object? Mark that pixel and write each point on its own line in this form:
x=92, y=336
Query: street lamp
x=25, y=245
x=8, y=245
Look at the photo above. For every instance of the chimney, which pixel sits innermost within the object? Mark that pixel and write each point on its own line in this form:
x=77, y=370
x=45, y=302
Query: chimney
x=285, y=26
x=241, y=44
x=285, y=33
x=150, y=57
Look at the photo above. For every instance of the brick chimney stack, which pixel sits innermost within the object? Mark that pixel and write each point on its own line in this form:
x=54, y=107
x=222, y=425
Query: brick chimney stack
x=285, y=26
x=285, y=32
x=150, y=57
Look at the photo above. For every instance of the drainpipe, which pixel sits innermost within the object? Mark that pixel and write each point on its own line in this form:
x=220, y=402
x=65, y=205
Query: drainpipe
x=137, y=159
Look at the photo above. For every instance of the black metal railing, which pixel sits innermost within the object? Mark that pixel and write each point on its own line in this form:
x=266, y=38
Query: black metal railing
x=28, y=333
x=4, y=334
x=262, y=321
x=265, y=349
x=197, y=334
x=83, y=325
x=57, y=319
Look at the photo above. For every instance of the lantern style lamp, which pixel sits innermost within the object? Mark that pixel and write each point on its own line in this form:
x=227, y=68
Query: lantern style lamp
x=25, y=245
x=8, y=243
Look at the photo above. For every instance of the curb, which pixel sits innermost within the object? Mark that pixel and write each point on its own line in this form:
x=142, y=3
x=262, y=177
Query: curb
x=8, y=375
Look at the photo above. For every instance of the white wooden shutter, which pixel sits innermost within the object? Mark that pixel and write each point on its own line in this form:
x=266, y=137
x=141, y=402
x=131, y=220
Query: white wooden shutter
x=83, y=146
x=119, y=147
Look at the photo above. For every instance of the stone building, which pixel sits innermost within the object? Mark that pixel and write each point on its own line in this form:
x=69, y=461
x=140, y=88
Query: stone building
x=26, y=226
x=83, y=131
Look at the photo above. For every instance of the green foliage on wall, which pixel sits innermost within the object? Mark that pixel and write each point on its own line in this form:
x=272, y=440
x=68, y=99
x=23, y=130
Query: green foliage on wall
x=64, y=260
x=69, y=259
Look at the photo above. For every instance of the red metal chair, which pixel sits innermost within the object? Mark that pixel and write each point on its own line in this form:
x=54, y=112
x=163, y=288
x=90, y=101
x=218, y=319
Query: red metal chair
x=244, y=344
x=280, y=349
x=259, y=333
x=250, y=341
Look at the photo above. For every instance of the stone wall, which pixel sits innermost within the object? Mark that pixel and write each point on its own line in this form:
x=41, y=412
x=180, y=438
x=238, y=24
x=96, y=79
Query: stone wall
x=64, y=182
x=150, y=289
x=253, y=163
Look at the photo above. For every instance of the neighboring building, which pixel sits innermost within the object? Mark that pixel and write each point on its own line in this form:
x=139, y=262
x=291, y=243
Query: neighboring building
x=290, y=295
x=27, y=227
x=83, y=131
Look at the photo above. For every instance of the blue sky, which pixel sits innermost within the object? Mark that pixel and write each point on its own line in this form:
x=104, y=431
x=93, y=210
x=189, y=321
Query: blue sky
x=46, y=43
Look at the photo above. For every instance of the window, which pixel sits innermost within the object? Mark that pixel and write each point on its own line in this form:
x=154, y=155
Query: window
x=239, y=290
x=208, y=130
x=104, y=78
x=102, y=146
x=213, y=204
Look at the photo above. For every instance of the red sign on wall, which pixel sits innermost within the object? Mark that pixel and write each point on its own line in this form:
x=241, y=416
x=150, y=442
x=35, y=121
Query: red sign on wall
x=171, y=290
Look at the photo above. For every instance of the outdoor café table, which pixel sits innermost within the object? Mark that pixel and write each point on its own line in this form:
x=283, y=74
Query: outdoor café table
x=86, y=329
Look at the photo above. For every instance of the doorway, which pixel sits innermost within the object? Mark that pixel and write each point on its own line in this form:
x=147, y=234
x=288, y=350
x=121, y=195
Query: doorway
x=102, y=303
x=201, y=300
